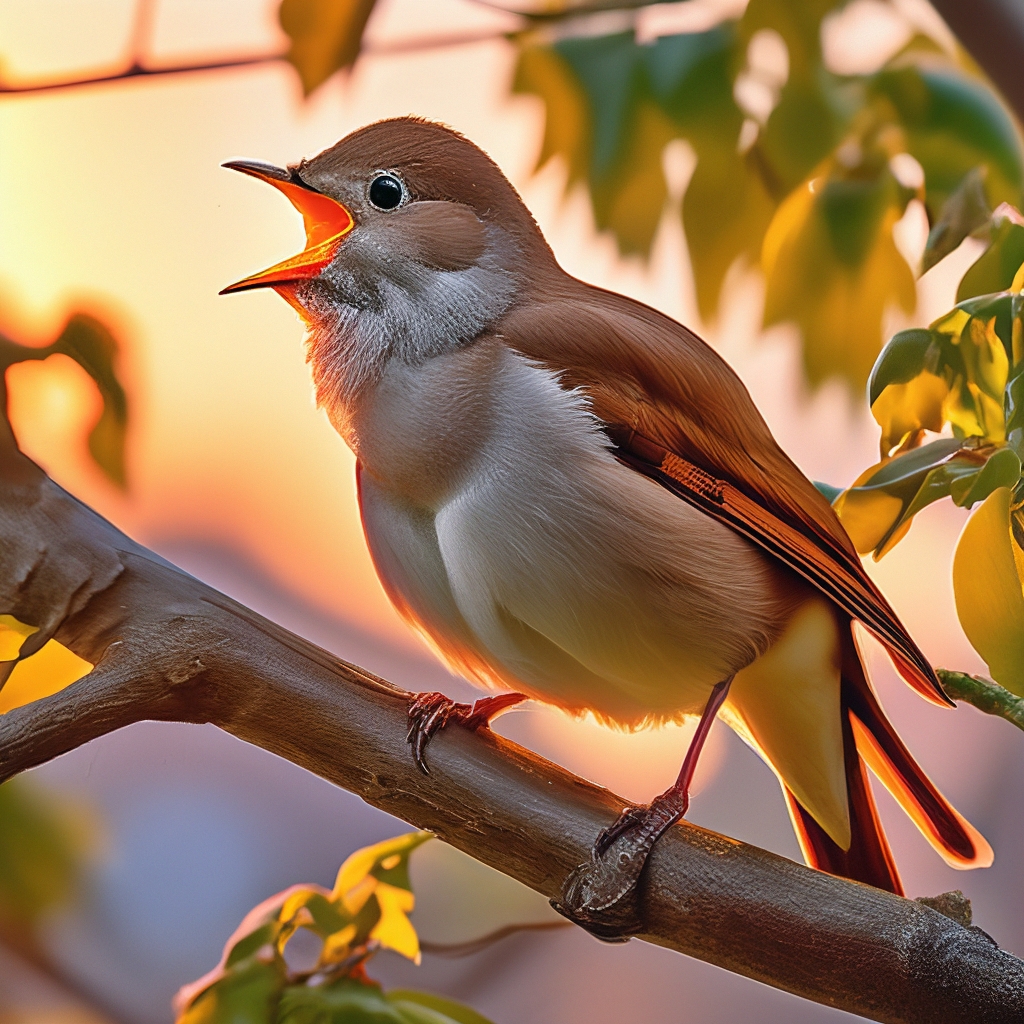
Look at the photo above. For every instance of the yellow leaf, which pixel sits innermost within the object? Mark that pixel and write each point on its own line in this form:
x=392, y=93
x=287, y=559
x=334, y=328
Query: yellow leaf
x=336, y=946
x=12, y=635
x=325, y=36
x=990, y=364
x=989, y=598
x=362, y=862
x=543, y=71
x=46, y=672
x=1018, y=280
x=355, y=896
x=394, y=930
x=726, y=211
x=903, y=409
x=832, y=266
x=868, y=516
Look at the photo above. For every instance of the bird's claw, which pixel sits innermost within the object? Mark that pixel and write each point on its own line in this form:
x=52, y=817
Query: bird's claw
x=430, y=712
x=601, y=894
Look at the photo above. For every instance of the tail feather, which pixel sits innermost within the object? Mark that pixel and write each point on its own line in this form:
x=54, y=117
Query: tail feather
x=870, y=741
x=958, y=842
x=869, y=858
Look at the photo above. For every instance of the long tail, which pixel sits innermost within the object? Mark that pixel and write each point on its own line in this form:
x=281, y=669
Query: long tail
x=869, y=739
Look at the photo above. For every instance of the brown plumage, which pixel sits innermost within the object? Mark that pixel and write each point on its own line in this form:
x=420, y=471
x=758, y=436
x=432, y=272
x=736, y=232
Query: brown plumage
x=571, y=494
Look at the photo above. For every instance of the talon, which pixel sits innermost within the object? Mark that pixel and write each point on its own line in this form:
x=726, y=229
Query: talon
x=430, y=712
x=626, y=820
x=601, y=895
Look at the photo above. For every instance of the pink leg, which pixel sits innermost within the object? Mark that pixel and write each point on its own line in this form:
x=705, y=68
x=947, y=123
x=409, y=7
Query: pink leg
x=431, y=712
x=595, y=894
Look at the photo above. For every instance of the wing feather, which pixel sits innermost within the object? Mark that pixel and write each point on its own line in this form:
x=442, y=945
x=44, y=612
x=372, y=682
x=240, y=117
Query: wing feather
x=677, y=412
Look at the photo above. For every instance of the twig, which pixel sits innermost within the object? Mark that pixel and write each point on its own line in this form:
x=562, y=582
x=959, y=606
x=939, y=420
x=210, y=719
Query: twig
x=984, y=694
x=135, y=71
x=992, y=31
x=22, y=944
x=454, y=950
x=138, y=70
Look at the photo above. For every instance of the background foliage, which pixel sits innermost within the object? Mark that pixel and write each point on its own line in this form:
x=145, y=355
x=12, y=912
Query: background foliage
x=962, y=377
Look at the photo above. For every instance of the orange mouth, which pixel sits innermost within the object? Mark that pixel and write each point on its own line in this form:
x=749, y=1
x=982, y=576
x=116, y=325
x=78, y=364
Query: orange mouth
x=326, y=220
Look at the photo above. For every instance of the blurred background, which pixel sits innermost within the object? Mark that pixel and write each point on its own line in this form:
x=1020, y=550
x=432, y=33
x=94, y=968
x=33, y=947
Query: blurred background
x=113, y=202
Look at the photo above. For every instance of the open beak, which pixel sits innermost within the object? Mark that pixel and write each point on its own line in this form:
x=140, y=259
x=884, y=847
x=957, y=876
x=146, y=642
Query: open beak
x=327, y=223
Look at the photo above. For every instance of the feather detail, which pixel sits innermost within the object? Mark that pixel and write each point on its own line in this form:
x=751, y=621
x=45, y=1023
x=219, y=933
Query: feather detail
x=678, y=413
x=954, y=838
x=833, y=573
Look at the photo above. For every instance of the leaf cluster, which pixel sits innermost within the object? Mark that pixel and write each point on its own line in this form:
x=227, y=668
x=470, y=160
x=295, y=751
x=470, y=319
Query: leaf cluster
x=807, y=189
x=365, y=912
x=962, y=377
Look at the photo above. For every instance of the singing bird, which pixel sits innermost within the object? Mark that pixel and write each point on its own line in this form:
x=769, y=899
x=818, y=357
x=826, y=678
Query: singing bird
x=571, y=495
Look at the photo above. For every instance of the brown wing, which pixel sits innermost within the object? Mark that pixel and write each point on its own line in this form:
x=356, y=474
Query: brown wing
x=679, y=414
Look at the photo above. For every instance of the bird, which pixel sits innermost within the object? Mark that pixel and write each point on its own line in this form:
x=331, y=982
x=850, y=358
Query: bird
x=572, y=497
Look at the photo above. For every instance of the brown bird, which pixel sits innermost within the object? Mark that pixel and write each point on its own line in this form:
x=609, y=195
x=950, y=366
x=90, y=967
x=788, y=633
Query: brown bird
x=570, y=494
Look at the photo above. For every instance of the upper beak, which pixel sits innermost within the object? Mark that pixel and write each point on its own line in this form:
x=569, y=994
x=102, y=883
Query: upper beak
x=327, y=223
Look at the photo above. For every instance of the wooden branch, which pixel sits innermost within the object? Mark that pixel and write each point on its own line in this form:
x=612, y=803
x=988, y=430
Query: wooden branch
x=168, y=647
x=984, y=694
x=992, y=32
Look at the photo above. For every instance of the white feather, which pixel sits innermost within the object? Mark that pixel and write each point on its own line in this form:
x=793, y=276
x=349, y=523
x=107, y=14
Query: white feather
x=501, y=523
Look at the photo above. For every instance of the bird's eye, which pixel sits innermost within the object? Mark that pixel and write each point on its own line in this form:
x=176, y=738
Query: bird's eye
x=386, y=192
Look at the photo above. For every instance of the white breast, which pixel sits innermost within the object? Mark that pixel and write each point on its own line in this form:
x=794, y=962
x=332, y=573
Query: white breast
x=503, y=527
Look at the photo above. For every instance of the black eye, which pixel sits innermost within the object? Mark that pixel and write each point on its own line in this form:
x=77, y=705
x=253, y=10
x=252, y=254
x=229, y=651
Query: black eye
x=385, y=192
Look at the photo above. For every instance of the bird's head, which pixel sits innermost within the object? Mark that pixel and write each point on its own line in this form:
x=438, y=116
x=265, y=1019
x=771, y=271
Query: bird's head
x=416, y=242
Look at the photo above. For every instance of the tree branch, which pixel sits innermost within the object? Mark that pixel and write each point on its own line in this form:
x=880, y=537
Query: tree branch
x=137, y=69
x=984, y=694
x=168, y=647
x=992, y=32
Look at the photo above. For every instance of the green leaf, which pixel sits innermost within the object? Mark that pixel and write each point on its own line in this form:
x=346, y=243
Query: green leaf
x=952, y=125
x=995, y=268
x=905, y=390
x=810, y=118
x=902, y=359
x=830, y=491
x=1001, y=470
x=627, y=129
x=247, y=995
x=832, y=266
x=325, y=36
x=366, y=910
x=1013, y=407
x=351, y=1001
x=345, y=1002
x=878, y=509
x=727, y=206
x=612, y=106
x=91, y=345
x=446, y=1009
x=543, y=72
x=39, y=855
x=965, y=210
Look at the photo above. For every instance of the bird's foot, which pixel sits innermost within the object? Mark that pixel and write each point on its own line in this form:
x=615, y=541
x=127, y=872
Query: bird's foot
x=601, y=894
x=431, y=712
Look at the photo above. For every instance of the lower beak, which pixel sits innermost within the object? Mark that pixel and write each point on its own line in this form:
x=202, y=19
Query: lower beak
x=327, y=223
